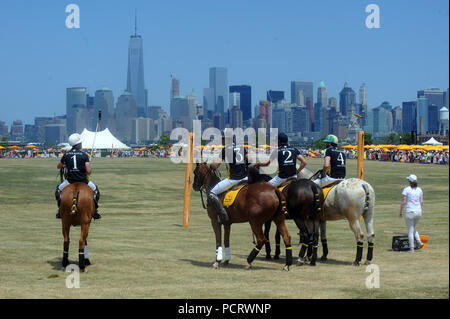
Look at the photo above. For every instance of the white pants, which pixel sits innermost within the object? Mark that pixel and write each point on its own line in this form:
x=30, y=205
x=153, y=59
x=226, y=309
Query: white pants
x=66, y=182
x=225, y=185
x=411, y=219
x=277, y=180
x=326, y=180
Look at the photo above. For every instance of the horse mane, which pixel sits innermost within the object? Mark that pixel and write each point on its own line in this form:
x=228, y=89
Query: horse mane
x=254, y=176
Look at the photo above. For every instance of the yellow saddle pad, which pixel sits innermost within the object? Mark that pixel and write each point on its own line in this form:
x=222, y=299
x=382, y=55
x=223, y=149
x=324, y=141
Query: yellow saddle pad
x=230, y=196
x=326, y=190
x=284, y=185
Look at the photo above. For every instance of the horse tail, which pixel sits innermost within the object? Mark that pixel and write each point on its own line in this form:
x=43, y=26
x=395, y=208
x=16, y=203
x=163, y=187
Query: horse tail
x=75, y=197
x=367, y=199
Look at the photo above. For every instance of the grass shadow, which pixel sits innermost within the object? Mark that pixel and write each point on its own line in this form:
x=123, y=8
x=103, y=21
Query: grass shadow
x=222, y=265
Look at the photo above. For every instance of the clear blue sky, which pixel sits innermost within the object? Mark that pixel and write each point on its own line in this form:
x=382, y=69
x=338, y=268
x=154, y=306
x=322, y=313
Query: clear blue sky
x=263, y=43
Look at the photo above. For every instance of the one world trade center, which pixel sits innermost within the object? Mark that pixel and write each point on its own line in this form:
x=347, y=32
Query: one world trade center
x=135, y=77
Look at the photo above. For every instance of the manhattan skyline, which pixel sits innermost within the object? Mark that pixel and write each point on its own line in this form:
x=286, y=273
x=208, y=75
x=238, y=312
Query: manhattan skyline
x=265, y=45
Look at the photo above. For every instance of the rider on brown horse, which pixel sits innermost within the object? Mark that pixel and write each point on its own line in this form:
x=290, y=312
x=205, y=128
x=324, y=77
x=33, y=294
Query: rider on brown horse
x=76, y=163
x=287, y=160
x=236, y=159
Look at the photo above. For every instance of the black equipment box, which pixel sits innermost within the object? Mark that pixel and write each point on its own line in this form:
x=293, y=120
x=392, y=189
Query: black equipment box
x=401, y=243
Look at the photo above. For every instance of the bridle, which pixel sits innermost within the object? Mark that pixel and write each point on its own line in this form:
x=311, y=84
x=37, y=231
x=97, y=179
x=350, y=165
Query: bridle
x=203, y=188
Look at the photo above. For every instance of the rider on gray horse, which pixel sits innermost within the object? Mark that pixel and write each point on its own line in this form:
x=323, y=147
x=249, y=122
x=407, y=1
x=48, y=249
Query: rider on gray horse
x=334, y=163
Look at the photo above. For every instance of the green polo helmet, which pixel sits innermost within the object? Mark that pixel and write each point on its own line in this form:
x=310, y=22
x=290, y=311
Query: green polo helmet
x=331, y=139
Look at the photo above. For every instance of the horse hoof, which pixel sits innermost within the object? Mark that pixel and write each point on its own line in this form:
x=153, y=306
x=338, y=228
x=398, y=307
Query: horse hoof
x=356, y=263
x=226, y=262
x=87, y=262
x=216, y=265
x=367, y=262
x=312, y=264
x=248, y=266
x=268, y=257
x=300, y=262
x=276, y=257
x=286, y=268
x=324, y=259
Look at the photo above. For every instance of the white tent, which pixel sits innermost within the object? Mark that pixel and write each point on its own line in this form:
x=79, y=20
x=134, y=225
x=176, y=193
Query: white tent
x=103, y=140
x=431, y=141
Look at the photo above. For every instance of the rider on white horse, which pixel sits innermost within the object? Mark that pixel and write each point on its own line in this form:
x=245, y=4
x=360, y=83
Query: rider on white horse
x=334, y=163
x=76, y=163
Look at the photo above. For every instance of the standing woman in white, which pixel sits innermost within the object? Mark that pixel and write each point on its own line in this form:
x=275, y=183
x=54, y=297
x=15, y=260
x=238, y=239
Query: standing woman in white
x=413, y=200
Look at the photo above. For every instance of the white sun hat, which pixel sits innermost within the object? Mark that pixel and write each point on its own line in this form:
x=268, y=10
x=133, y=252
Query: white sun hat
x=412, y=178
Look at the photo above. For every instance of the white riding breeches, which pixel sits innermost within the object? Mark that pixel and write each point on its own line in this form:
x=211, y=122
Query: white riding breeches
x=326, y=180
x=411, y=219
x=225, y=185
x=66, y=182
x=277, y=180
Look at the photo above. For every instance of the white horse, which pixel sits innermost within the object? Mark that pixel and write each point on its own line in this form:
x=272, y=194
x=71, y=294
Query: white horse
x=349, y=199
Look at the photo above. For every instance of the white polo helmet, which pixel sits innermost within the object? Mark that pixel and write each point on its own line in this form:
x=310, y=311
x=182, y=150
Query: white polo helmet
x=75, y=139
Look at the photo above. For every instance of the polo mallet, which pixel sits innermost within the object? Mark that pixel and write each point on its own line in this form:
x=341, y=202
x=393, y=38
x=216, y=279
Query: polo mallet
x=352, y=123
x=96, y=129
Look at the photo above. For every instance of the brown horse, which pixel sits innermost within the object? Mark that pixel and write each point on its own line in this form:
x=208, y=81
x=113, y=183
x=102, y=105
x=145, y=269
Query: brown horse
x=77, y=208
x=256, y=204
x=304, y=204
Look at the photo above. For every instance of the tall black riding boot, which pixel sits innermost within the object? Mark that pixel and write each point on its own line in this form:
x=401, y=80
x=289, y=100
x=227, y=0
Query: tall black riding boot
x=58, y=200
x=96, y=198
x=222, y=214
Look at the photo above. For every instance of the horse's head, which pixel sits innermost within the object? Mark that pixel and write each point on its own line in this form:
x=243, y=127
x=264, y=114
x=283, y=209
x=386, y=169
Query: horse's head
x=201, y=172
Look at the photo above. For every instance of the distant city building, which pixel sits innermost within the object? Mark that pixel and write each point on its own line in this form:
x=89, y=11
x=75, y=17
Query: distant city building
x=275, y=96
x=435, y=96
x=422, y=115
x=397, y=119
x=155, y=112
x=235, y=99
x=300, y=119
x=126, y=112
x=17, y=131
x=322, y=94
x=433, y=118
x=363, y=94
x=135, y=74
x=265, y=112
x=347, y=101
x=409, y=116
x=306, y=88
x=55, y=134
x=104, y=102
x=175, y=88
x=76, y=109
x=142, y=130
x=3, y=129
x=218, y=80
x=245, y=94
x=332, y=102
x=236, y=117
x=208, y=102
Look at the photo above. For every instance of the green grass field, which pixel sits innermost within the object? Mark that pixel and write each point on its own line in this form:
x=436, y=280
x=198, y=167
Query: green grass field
x=139, y=248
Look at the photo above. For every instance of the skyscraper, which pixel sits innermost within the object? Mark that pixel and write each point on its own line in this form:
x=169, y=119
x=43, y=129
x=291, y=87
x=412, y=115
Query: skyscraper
x=319, y=107
x=347, y=101
x=409, y=116
x=306, y=87
x=125, y=114
x=218, y=80
x=363, y=94
x=76, y=109
x=422, y=115
x=275, y=96
x=175, y=88
x=104, y=101
x=135, y=76
x=245, y=92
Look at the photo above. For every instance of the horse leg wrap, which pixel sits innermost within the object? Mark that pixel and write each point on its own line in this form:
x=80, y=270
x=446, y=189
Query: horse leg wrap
x=283, y=207
x=65, y=260
x=324, y=248
x=268, y=249
x=370, y=252
x=255, y=251
x=359, y=251
x=277, y=250
x=81, y=263
x=310, y=250
x=288, y=255
x=219, y=254
x=302, y=252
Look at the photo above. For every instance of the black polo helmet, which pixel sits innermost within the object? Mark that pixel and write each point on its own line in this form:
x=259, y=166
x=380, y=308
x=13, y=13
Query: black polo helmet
x=282, y=139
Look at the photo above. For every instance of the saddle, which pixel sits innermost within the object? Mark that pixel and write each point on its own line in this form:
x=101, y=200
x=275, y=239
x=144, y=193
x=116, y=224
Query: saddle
x=230, y=196
x=286, y=183
x=326, y=189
